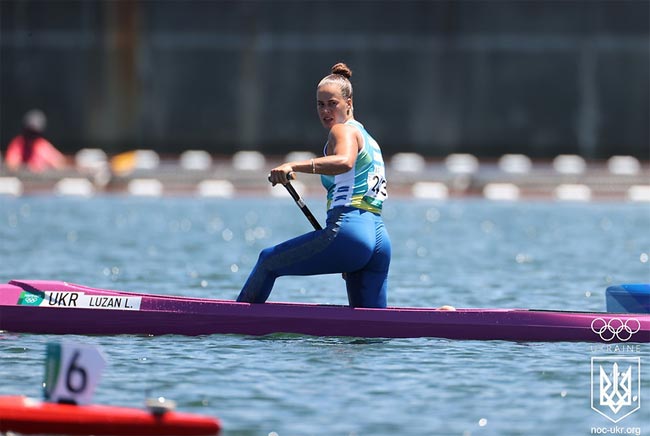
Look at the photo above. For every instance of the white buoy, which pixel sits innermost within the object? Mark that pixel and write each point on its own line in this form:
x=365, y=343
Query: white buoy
x=569, y=164
x=515, y=164
x=461, y=163
x=146, y=160
x=91, y=159
x=248, y=160
x=407, y=162
x=216, y=188
x=195, y=160
x=145, y=188
x=11, y=186
x=623, y=165
x=572, y=192
x=74, y=187
x=296, y=156
x=639, y=193
x=430, y=190
x=501, y=192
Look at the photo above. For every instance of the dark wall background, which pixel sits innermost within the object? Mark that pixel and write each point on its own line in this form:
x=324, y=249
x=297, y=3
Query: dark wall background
x=534, y=77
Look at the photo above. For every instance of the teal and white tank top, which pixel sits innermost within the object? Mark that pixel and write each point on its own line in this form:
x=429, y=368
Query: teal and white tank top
x=364, y=186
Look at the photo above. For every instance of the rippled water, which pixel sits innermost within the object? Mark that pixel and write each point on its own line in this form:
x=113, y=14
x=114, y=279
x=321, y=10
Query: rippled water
x=466, y=253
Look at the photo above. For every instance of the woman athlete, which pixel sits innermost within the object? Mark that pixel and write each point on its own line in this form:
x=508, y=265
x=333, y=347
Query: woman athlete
x=354, y=241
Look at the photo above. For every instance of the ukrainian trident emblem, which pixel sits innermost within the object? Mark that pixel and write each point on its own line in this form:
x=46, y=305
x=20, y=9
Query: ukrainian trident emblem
x=615, y=386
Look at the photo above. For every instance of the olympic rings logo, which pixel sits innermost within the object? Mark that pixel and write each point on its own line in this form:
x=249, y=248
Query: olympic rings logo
x=31, y=299
x=615, y=328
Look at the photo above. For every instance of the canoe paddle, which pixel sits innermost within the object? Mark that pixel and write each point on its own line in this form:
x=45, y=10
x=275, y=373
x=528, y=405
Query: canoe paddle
x=301, y=204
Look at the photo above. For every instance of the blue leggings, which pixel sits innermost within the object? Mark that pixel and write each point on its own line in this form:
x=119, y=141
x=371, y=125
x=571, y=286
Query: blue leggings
x=354, y=241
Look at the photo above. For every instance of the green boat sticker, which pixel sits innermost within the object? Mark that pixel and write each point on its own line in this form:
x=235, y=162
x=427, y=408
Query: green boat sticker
x=31, y=298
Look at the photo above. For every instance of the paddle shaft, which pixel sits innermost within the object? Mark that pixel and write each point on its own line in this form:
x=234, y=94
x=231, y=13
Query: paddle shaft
x=303, y=207
x=301, y=204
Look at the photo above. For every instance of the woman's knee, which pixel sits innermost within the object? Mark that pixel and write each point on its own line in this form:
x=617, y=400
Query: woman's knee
x=265, y=254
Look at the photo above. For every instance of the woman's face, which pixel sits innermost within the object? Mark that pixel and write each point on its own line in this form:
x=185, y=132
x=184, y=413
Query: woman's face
x=332, y=107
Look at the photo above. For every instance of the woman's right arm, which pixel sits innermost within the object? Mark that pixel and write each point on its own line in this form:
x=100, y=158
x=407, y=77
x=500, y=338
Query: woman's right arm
x=343, y=147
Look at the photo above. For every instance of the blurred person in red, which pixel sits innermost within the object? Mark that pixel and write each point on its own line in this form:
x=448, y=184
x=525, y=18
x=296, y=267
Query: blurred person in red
x=31, y=149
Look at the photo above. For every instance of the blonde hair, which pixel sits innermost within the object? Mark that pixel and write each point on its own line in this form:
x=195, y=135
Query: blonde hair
x=340, y=76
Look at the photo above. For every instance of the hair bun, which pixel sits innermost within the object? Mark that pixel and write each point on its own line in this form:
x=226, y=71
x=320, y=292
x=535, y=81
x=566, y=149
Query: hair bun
x=342, y=69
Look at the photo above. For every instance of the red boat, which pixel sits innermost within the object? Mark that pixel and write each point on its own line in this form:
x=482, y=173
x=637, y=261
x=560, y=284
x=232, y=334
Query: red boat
x=28, y=416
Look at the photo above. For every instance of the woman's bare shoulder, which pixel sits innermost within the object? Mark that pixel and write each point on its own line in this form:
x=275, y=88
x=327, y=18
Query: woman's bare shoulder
x=339, y=130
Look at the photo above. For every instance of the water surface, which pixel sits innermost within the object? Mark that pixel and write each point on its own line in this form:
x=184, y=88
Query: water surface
x=470, y=253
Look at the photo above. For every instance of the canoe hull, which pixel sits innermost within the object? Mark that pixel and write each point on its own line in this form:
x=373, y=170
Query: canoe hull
x=159, y=315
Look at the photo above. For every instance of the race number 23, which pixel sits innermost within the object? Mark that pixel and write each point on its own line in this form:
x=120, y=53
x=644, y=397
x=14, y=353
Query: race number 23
x=72, y=372
x=377, y=186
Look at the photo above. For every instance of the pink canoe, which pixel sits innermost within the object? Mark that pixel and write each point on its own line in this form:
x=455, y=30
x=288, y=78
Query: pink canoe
x=61, y=308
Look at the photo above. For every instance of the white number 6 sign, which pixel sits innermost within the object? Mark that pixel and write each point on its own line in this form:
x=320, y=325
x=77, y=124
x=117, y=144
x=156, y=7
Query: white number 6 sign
x=72, y=372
